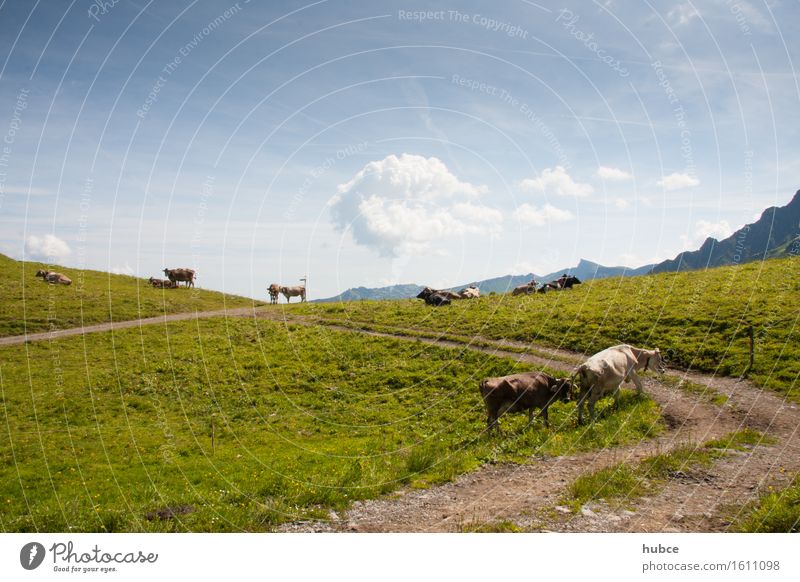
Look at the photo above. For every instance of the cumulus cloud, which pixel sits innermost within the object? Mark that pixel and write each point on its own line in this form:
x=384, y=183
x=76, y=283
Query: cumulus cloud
x=704, y=229
x=540, y=216
x=678, y=181
x=556, y=181
x=47, y=248
x=612, y=174
x=402, y=204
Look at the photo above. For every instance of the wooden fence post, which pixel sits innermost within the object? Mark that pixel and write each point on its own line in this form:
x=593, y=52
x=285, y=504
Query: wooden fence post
x=751, y=336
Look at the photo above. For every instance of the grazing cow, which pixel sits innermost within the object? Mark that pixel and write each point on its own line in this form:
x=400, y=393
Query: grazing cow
x=53, y=278
x=181, y=275
x=433, y=297
x=520, y=392
x=471, y=292
x=605, y=372
x=525, y=289
x=294, y=292
x=274, y=291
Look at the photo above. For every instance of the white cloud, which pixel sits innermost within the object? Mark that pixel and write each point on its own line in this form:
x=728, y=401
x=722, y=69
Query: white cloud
x=557, y=181
x=678, y=181
x=123, y=270
x=704, y=229
x=621, y=203
x=612, y=174
x=719, y=230
x=540, y=216
x=48, y=248
x=682, y=14
x=402, y=204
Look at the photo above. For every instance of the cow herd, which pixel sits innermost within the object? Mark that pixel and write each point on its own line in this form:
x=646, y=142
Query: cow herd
x=439, y=297
x=598, y=376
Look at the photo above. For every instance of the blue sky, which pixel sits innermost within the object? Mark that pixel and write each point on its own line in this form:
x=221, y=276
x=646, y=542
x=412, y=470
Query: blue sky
x=369, y=143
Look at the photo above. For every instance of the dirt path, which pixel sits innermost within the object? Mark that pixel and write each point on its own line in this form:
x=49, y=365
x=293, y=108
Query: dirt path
x=529, y=495
x=99, y=327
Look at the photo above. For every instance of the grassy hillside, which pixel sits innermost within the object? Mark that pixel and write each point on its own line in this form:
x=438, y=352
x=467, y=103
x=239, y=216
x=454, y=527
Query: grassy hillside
x=28, y=304
x=102, y=436
x=698, y=319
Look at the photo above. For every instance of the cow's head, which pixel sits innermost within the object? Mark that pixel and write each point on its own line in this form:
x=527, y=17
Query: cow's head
x=562, y=389
x=655, y=362
x=41, y=273
x=166, y=272
x=425, y=293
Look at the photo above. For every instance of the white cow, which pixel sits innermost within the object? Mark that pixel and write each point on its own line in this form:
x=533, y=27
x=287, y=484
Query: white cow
x=605, y=371
x=471, y=292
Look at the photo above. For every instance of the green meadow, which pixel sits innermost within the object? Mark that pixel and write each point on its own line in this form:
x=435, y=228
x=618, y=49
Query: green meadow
x=698, y=319
x=27, y=304
x=240, y=425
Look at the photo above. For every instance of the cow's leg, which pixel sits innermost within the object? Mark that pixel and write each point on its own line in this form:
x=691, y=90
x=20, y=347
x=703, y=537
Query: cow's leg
x=616, y=397
x=491, y=423
x=544, y=416
x=581, y=401
x=637, y=381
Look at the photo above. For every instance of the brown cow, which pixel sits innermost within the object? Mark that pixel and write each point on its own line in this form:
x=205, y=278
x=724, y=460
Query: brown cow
x=297, y=290
x=520, y=392
x=274, y=290
x=53, y=277
x=181, y=275
x=525, y=289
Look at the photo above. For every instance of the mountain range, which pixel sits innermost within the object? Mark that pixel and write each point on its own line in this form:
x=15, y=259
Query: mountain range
x=775, y=234
x=584, y=270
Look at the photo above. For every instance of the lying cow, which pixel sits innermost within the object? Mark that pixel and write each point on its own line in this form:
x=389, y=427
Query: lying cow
x=605, y=372
x=162, y=283
x=298, y=290
x=181, y=276
x=563, y=282
x=433, y=297
x=274, y=290
x=525, y=289
x=519, y=392
x=471, y=292
x=53, y=278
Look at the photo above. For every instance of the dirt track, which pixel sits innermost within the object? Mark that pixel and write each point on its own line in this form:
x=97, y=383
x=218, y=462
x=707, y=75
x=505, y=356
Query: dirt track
x=528, y=495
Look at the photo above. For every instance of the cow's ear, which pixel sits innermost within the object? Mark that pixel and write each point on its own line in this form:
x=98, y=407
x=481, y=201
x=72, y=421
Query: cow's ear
x=554, y=386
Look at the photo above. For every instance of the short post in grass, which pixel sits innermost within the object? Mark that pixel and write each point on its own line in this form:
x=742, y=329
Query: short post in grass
x=213, y=434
